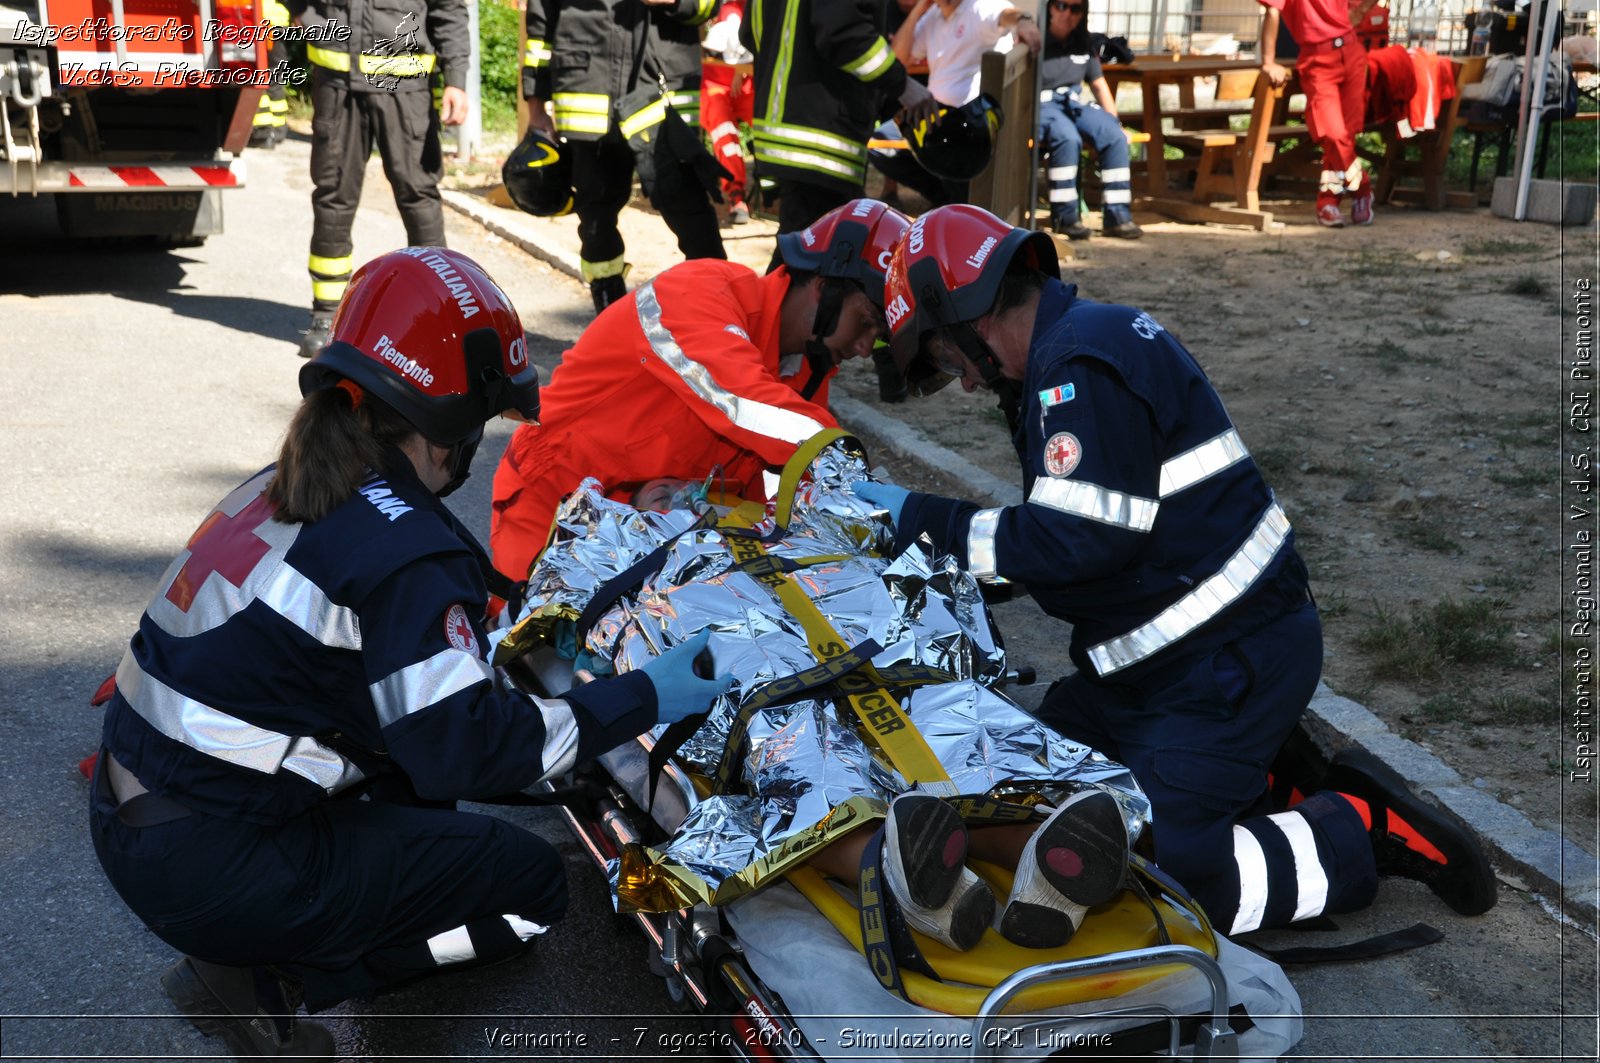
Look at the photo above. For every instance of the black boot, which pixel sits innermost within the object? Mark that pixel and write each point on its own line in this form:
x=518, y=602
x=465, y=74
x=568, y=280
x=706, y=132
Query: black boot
x=1420, y=842
x=607, y=290
x=250, y=1008
x=317, y=335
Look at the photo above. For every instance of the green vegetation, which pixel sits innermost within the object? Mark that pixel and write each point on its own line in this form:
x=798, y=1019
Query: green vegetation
x=1530, y=285
x=1428, y=644
x=1574, y=156
x=500, y=64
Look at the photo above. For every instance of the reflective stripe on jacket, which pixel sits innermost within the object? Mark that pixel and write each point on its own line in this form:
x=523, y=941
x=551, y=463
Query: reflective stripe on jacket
x=823, y=72
x=1145, y=518
x=280, y=664
x=580, y=57
x=681, y=379
x=390, y=45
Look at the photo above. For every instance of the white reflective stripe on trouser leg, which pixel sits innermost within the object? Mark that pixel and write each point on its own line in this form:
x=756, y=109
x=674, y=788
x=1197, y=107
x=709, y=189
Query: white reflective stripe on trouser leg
x=1252, y=863
x=1061, y=173
x=455, y=945
x=452, y=946
x=1068, y=194
x=1311, y=881
x=1112, y=174
x=1116, y=196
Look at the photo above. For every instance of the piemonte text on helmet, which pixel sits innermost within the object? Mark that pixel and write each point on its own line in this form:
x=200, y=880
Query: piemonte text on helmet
x=447, y=273
x=407, y=366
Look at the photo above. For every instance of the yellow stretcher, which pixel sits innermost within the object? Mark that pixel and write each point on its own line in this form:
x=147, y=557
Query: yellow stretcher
x=1142, y=936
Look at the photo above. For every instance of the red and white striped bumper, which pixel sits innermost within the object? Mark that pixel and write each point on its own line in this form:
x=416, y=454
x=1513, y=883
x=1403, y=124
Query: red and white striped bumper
x=121, y=177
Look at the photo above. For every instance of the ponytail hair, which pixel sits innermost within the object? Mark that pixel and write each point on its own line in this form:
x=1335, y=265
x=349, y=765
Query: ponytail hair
x=336, y=437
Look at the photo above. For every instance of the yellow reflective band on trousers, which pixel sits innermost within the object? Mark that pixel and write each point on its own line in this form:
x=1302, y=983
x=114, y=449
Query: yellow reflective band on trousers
x=594, y=271
x=403, y=66
x=269, y=113
x=329, y=277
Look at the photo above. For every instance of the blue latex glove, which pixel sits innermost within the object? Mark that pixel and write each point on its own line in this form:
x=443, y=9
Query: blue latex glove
x=680, y=691
x=884, y=496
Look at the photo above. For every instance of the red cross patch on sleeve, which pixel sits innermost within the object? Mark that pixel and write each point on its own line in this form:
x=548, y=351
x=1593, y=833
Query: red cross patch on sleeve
x=1062, y=452
x=458, y=630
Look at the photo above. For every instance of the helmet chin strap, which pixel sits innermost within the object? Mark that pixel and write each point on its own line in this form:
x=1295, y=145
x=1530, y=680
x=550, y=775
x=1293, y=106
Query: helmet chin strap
x=980, y=354
x=830, y=301
x=460, y=461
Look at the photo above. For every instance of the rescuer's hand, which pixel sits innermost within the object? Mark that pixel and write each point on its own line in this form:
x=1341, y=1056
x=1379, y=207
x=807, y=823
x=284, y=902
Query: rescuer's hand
x=916, y=104
x=684, y=680
x=884, y=496
x=453, y=106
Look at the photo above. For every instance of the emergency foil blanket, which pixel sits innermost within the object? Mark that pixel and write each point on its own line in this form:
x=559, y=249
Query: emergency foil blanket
x=802, y=771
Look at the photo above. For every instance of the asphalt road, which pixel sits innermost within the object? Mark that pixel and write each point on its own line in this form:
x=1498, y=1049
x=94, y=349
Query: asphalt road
x=144, y=384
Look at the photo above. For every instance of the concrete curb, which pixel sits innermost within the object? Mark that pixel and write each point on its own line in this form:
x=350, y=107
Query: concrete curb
x=1528, y=857
x=545, y=250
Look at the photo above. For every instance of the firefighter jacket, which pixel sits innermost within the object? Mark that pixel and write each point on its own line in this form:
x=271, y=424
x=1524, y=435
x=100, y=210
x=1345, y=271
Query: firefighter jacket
x=1146, y=524
x=388, y=45
x=590, y=61
x=823, y=71
x=681, y=379
x=281, y=664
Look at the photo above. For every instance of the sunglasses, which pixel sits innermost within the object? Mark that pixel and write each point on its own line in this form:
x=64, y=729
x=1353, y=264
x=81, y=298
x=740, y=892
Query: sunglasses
x=1062, y=5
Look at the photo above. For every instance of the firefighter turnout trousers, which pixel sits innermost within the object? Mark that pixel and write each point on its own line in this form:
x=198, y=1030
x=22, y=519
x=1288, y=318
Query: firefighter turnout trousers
x=404, y=126
x=349, y=897
x=602, y=184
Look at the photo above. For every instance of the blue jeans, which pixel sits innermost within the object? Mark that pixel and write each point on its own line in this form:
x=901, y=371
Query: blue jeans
x=1064, y=124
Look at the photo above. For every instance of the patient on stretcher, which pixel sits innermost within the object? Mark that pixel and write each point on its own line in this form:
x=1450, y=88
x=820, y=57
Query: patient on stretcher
x=801, y=779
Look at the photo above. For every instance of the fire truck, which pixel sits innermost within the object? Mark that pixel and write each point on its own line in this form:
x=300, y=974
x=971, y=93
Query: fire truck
x=131, y=113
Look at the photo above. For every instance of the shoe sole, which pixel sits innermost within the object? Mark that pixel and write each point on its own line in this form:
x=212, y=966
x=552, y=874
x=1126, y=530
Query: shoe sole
x=971, y=913
x=1081, y=855
x=1355, y=770
x=928, y=848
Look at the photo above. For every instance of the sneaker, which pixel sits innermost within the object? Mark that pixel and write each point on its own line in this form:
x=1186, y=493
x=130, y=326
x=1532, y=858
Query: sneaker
x=1123, y=230
x=247, y=1007
x=317, y=335
x=739, y=214
x=924, y=854
x=1075, y=860
x=1328, y=216
x=1071, y=228
x=1361, y=207
x=1411, y=838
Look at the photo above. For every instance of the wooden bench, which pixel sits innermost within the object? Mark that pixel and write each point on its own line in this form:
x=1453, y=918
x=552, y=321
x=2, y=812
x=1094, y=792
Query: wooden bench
x=1433, y=148
x=1230, y=160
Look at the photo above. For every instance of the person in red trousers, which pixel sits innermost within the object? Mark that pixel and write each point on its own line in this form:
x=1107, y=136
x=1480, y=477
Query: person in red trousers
x=1333, y=74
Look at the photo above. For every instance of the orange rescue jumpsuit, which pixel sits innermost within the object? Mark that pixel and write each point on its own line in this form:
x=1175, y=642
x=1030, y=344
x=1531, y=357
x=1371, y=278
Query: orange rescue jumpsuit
x=680, y=378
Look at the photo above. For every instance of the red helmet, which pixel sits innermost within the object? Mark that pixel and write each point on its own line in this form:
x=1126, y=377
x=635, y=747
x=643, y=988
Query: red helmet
x=852, y=242
x=946, y=270
x=425, y=330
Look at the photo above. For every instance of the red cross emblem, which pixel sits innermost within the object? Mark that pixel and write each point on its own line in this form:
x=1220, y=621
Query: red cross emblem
x=1062, y=453
x=228, y=546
